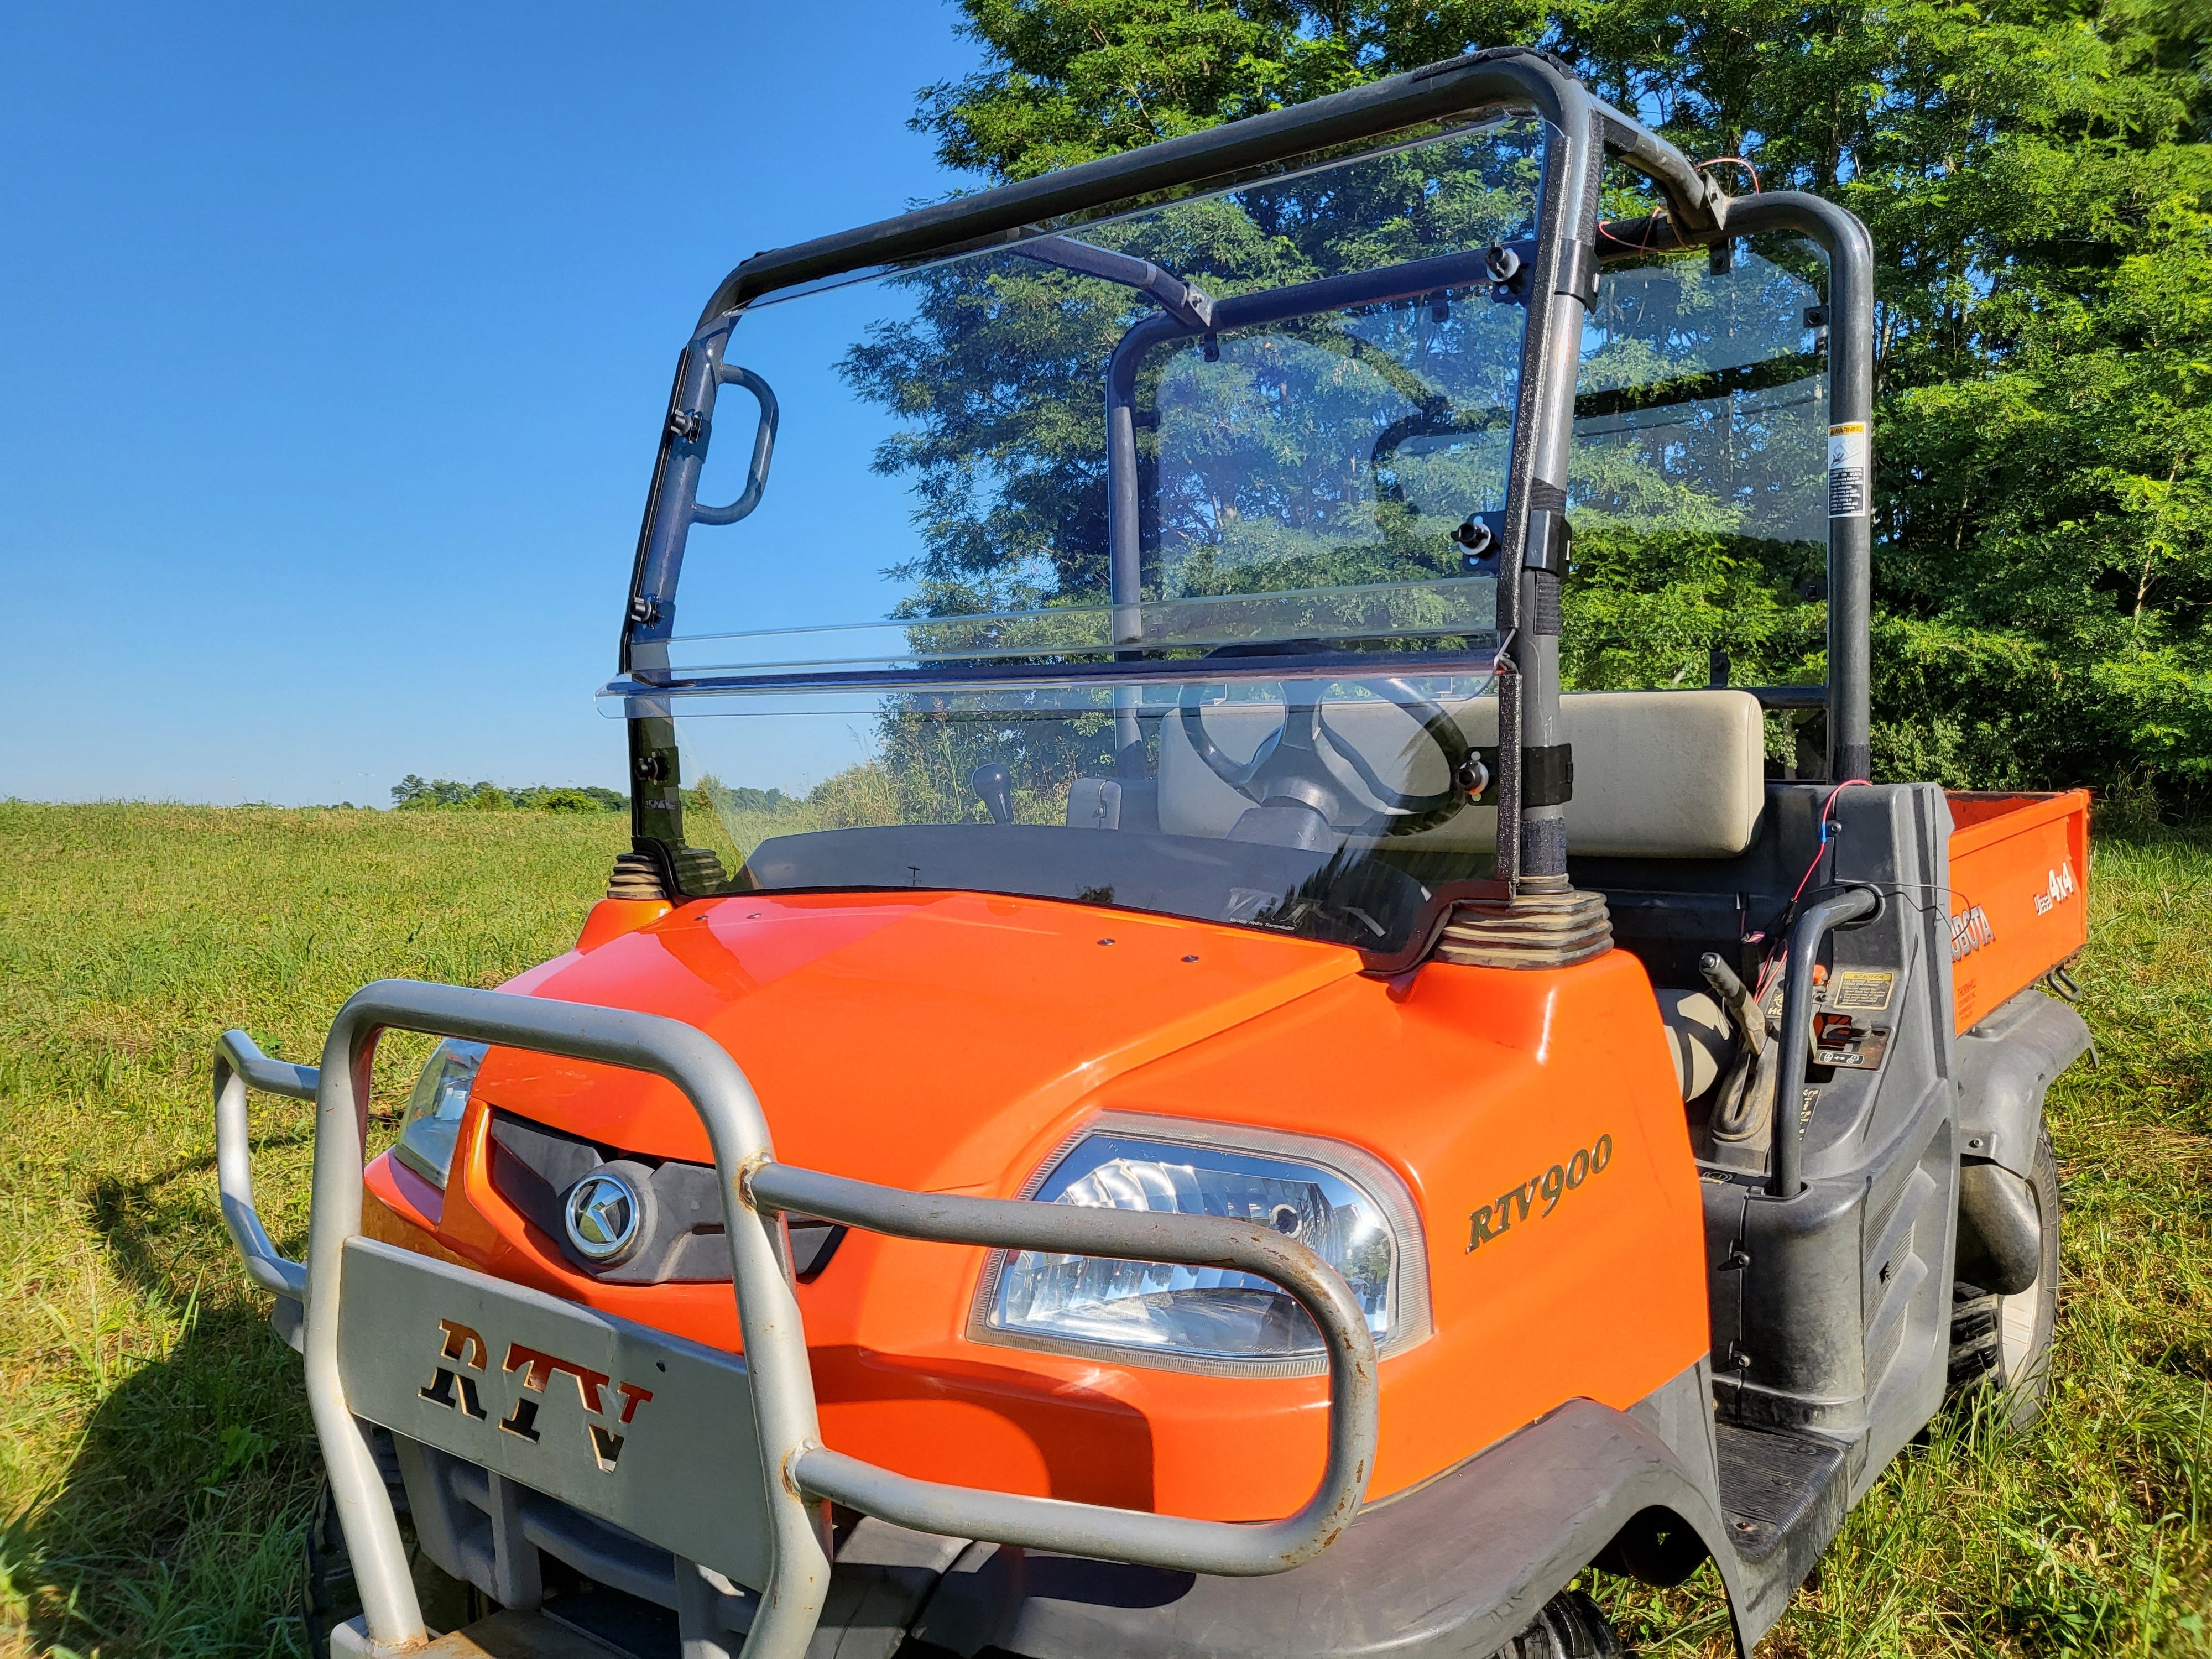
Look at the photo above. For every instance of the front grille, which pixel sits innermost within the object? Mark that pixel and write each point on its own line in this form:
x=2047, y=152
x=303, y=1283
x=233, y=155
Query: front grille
x=533, y=1168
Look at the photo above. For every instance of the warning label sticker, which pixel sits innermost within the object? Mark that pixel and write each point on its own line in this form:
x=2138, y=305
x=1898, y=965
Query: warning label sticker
x=1847, y=470
x=1859, y=988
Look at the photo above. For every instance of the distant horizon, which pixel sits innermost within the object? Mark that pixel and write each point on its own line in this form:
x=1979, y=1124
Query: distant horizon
x=283, y=807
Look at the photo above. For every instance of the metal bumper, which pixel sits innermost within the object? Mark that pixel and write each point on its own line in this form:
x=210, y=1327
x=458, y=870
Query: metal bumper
x=770, y=1395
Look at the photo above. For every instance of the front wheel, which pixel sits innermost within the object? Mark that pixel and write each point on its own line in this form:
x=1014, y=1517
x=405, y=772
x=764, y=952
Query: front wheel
x=2004, y=1341
x=329, y=1596
x=1570, y=1627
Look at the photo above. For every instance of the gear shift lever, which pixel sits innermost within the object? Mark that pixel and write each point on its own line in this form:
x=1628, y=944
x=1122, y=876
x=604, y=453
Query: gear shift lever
x=995, y=790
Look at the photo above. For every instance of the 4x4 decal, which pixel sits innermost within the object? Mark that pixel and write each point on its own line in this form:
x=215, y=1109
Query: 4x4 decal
x=461, y=1350
x=2056, y=889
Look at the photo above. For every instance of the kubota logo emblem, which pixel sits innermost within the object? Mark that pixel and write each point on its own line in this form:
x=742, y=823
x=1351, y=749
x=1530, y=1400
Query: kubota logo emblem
x=603, y=1214
x=1970, y=931
x=461, y=1350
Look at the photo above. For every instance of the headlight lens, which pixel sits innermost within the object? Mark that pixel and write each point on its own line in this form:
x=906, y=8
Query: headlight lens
x=1208, y=1314
x=433, y=1121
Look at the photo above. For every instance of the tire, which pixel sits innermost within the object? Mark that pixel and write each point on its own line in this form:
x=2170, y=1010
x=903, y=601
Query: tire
x=2003, y=1342
x=1570, y=1627
x=329, y=1596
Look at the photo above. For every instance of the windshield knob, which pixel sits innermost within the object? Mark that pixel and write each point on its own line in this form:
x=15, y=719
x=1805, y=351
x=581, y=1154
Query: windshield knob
x=995, y=789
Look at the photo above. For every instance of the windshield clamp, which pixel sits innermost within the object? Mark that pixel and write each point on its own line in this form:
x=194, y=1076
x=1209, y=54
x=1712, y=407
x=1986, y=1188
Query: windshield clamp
x=1549, y=540
x=1548, y=774
x=1577, y=277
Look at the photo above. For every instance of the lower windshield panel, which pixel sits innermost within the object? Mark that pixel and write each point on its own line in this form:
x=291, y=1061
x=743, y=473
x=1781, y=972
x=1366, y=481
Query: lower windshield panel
x=1330, y=808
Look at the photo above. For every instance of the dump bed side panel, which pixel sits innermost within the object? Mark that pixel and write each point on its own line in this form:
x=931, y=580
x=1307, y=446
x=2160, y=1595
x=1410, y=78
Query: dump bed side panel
x=2019, y=902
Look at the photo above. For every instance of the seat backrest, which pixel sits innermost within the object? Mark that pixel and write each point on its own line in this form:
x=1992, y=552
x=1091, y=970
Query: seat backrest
x=1658, y=773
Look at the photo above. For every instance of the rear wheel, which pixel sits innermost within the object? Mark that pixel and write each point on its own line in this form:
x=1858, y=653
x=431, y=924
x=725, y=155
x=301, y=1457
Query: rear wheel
x=2003, y=1342
x=1570, y=1627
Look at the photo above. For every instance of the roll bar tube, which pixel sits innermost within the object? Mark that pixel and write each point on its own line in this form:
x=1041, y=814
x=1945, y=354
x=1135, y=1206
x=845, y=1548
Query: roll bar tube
x=1502, y=77
x=1585, y=131
x=754, y=1190
x=1786, y=1166
x=1184, y=302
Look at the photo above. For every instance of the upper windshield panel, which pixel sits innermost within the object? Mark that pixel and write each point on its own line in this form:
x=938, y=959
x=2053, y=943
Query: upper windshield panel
x=1316, y=385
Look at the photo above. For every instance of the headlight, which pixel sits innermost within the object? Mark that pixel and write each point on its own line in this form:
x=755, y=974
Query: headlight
x=433, y=1122
x=1343, y=1205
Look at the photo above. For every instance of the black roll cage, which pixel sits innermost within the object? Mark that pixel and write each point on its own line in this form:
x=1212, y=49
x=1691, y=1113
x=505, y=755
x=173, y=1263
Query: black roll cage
x=1560, y=277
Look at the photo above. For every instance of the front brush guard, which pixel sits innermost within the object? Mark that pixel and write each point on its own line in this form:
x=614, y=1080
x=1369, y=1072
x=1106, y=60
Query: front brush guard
x=756, y=1413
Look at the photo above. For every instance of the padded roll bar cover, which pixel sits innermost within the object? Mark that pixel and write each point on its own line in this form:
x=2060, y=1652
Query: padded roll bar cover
x=1658, y=773
x=1455, y=1567
x=2005, y=1067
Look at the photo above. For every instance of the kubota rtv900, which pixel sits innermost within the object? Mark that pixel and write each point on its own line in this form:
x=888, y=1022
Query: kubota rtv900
x=1170, y=1093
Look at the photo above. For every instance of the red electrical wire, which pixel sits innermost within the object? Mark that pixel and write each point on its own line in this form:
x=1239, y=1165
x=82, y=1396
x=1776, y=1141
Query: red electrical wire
x=1718, y=161
x=1733, y=161
x=1640, y=247
x=1766, y=967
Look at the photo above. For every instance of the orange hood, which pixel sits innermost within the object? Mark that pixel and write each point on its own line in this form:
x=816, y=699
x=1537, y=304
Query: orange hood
x=946, y=1040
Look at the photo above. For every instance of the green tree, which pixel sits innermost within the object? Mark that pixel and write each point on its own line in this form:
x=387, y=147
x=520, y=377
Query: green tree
x=2036, y=181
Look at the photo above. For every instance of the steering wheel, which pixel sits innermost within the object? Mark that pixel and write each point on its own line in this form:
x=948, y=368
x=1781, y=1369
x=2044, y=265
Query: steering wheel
x=1287, y=769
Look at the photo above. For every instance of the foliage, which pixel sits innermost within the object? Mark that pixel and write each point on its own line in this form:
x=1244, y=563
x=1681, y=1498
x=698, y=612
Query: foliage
x=157, y=1463
x=413, y=794
x=2040, y=192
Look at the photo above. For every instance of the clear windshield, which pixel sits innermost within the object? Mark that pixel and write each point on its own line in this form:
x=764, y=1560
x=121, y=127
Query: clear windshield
x=1299, y=390
x=1696, y=484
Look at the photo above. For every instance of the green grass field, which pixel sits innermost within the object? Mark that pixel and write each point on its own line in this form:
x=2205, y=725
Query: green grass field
x=155, y=1466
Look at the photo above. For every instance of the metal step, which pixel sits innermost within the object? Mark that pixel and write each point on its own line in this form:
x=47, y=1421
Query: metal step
x=1779, y=1486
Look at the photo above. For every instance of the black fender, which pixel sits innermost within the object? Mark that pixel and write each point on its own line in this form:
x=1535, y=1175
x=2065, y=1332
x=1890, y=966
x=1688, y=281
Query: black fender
x=1455, y=1566
x=2005, y=1068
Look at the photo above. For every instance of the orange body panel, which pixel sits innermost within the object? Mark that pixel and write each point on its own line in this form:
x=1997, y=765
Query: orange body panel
x=2020, y=893
x=613, y=918
x=953, y=1042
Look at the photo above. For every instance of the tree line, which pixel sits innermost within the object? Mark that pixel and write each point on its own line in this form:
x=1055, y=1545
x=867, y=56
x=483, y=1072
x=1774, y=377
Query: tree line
x=415, y=793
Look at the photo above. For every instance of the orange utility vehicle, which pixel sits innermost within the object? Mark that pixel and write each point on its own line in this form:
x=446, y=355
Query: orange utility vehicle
x=1177, y=1096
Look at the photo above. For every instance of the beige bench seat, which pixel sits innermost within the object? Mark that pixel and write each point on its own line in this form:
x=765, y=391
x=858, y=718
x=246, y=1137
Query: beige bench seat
x=1658, y=773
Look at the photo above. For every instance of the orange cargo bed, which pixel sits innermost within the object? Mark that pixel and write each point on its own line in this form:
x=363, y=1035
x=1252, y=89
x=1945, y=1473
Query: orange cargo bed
x=2020, y=893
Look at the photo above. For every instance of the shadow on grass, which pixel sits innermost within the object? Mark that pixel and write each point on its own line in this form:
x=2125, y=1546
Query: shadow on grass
x=176, y=1528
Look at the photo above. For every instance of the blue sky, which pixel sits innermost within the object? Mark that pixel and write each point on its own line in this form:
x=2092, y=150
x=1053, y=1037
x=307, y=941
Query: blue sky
x=337, y=342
